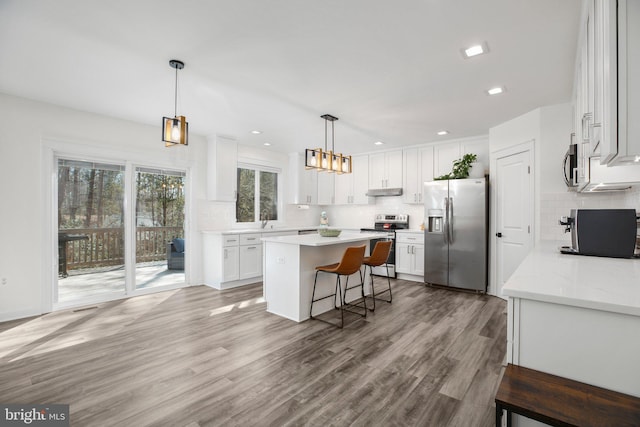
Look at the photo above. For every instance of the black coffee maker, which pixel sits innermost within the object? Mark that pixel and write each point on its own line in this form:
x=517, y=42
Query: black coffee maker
x=601, y=232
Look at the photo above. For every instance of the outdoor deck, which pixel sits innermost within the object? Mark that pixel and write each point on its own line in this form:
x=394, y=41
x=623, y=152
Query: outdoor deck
x=88, y=282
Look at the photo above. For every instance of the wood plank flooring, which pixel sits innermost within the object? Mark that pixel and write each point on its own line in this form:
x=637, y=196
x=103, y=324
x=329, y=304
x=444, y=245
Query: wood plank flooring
x=201, y=357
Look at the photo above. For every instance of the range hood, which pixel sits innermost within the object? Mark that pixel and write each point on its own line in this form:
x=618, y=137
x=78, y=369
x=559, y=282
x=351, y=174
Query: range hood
x=381, y=192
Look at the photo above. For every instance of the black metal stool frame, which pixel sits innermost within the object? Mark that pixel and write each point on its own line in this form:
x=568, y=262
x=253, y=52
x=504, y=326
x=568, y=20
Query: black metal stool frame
x=342, y=296
x=373, y=292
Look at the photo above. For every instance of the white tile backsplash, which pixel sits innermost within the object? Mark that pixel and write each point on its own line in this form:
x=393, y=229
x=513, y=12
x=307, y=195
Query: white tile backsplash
x=555, y=205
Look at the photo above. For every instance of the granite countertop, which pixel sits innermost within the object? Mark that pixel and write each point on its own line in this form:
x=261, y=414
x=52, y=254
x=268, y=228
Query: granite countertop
x=317, y=240
x=608, y=284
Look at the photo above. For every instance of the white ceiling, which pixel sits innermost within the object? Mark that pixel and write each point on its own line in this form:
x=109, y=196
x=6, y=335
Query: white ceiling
x=390, y=70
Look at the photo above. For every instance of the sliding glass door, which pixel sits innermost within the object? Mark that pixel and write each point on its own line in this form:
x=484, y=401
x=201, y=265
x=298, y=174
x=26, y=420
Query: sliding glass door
x=91, y=247
x=120, y=230
x=160, y=244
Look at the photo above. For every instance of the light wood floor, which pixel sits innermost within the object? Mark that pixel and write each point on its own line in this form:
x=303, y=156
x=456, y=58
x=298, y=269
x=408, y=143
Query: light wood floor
x=201, y=357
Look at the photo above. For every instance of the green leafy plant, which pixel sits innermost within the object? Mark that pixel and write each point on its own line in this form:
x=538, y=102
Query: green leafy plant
x=460, y=168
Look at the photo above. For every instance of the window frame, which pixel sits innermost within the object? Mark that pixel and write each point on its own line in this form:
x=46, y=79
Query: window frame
x=280, y=193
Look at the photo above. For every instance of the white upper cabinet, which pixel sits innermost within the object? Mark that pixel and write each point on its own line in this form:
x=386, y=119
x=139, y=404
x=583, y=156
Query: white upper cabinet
x=417, y=169
x=444, y=156
x=352, y=188
x=222, y=165
x=326, y=191
x=385, y=170
x=302, y=183
x=627, y=149
x=479, y=147
x=607, y=86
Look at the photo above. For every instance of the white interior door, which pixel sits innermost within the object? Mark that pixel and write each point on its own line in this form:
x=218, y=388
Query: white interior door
x=514, y=201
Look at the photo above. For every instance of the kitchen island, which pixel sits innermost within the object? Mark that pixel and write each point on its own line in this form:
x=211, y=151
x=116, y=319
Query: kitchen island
x=576, y=317
x=289, y=271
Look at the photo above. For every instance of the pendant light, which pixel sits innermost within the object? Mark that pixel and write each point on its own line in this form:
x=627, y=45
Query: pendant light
x=327, y=160
x=175, y=131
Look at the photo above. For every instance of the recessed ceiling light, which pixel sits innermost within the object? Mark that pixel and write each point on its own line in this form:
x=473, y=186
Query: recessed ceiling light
x=443, y=132
x=267, y=144
x=378, y=143
x=475, y=50
x=256, y=132
x=495, y=90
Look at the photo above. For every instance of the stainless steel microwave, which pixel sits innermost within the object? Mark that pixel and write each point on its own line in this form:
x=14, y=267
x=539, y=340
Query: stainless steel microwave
x=570, y=166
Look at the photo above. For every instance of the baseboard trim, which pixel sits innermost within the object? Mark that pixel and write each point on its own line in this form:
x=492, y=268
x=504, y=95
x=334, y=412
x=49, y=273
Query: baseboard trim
x=20, y=314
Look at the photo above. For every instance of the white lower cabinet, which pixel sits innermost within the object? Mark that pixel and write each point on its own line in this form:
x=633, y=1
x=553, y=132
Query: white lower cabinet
x=232, y=260
x=230, y=263
x=410, y=254
x=250, y=264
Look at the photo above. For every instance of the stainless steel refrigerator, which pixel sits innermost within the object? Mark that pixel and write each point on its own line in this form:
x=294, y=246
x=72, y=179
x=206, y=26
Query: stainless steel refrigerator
x=455, y=236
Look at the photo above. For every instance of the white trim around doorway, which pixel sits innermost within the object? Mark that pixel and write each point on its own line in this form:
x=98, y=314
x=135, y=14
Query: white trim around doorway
x=494, y=156
x=53, y=148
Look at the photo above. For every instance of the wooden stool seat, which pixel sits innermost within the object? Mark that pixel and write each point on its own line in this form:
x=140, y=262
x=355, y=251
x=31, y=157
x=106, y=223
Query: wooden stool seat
x=559, y=401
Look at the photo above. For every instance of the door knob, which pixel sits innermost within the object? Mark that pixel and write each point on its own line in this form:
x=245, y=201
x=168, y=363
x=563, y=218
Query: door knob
x=498, y=234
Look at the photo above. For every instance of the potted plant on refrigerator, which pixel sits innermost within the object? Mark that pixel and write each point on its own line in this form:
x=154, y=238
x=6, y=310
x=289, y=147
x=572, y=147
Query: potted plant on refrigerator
x=460, y=169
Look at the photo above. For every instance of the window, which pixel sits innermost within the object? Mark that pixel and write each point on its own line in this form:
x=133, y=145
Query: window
x=257, y=194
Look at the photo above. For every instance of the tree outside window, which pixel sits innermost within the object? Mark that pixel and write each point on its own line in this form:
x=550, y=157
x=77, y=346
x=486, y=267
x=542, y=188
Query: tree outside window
x=257, y=195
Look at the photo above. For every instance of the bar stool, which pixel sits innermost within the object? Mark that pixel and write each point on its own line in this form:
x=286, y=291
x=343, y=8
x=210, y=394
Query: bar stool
x=378, y=257
x=350, y=263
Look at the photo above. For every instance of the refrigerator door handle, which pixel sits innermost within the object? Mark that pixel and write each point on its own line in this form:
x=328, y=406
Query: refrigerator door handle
x=450, y=220
x=446, y=220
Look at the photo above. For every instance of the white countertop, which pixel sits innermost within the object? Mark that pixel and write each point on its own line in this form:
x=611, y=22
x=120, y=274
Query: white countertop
x=317, y=240
x=608, y=284
x=259, y=230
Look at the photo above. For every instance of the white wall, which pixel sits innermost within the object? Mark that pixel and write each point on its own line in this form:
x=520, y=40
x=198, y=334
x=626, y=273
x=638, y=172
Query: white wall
x=550, y=127
x=29, y=126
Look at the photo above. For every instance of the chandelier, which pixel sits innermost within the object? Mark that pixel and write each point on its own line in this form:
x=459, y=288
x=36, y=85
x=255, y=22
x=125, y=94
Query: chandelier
x=327, y=160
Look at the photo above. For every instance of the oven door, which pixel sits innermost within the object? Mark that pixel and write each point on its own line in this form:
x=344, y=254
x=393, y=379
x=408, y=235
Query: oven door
x=391, y=261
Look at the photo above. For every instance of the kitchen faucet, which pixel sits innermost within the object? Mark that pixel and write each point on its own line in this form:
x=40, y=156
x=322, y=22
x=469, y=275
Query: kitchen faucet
x=263, y=219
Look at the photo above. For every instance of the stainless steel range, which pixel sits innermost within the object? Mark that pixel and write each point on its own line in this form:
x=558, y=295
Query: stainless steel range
x=385, y=225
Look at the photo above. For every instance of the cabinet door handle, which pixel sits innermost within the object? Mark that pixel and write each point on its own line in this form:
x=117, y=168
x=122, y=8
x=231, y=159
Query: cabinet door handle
x=408, y=249
x=225, y=254
x=251, y=238
x=252, y=247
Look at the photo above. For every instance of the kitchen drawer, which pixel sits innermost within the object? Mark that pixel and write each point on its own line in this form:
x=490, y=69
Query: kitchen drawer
x=230, y=240
x=415, y=238
x=250, y=239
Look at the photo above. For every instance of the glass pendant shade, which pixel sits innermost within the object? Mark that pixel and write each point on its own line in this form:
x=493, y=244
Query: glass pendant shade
x=312, y=158
x=346, y=165
x=175, y=130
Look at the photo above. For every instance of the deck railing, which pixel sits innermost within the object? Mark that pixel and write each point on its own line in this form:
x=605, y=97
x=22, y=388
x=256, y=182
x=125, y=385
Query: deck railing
x=105, y=246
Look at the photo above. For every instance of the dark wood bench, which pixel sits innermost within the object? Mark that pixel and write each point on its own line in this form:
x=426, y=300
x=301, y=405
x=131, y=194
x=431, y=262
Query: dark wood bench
x=560, y=401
